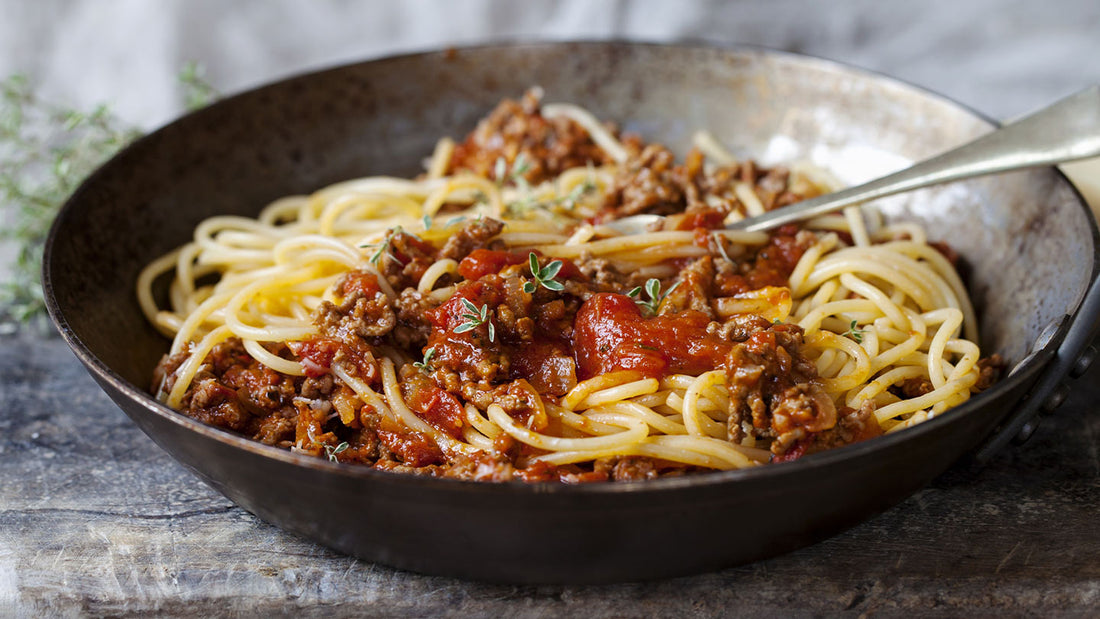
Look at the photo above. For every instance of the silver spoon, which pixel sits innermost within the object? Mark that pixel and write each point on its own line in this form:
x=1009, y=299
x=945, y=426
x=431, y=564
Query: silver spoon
x=1066, y=131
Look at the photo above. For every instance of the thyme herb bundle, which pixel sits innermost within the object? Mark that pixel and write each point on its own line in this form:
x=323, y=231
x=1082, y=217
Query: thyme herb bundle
x=46, y=150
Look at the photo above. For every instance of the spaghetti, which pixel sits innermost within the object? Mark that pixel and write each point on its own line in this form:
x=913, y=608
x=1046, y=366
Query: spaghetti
x=483, y=321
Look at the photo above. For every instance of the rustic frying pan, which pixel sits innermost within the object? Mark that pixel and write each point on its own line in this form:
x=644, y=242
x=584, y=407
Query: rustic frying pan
x=1027, y=240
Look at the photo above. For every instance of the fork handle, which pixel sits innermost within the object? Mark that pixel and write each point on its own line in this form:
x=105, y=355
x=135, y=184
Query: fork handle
x=1064, y=131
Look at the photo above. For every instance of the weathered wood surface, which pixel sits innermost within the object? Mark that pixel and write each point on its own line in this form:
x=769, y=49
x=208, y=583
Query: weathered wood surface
x=95, y=519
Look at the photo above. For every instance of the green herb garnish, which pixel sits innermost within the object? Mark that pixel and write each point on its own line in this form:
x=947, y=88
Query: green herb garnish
x=331, y=451
x=197, y=92
x=46, y=150
x=854, y=333
x=569, y=201
x=474, y=317
x=653, y=290
x=385, y=247
x=426, y=365
x=543, y=277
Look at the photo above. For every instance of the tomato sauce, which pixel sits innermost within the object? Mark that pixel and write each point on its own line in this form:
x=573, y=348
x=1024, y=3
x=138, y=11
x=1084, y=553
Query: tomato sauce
x=772, y=265
x=437, y=407
x=611, y=334
x=482, y=262
x=363, y=283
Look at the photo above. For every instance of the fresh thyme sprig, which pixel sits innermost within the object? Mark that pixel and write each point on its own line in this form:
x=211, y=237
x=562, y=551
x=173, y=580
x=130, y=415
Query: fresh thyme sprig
x=426, y=365
x=197, y=92
x=474, y=317
x=516, y=175
x=331, y=451
x=385, y=247
x=569, y=200
x=523, y=205
x=854, y=333
x=46, y=150
x=543, y=277
x=653, y=290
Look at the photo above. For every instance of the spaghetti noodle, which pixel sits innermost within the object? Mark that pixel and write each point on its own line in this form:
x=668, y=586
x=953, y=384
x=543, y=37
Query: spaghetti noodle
x=484, y=322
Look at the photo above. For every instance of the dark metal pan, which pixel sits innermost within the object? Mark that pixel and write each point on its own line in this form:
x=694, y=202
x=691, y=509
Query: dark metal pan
x=1028, y=242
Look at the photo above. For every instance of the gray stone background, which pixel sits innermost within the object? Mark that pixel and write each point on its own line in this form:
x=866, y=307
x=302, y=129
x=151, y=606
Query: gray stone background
x=72, y=543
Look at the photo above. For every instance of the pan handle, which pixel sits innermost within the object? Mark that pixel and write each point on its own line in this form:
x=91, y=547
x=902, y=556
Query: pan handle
x=1071, y=359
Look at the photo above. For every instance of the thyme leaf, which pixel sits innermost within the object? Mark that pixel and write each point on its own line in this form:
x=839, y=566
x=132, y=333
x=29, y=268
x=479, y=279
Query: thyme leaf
x=197, y=92
x=543, y=276
x=474, y=317
x=331, y=451
x=385, y=247
x=720, y=243
x=854, y=333
x=653, y=291
x=426, y=365
x=46, y=150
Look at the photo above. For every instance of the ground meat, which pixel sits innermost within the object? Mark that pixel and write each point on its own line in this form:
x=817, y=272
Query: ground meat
x=235, y=392
x=363, y=312
x=404, y=258
x=601, y=272
x=990, y=370
x=412, y=328
x=357, y=316
x=482, y=466
x=694, y=289
x=646, y=185
x=513, y=397
x=474, y=235
x=549, y=146
x=769, y=265
x=772, y=389
x=739, y=327
x=688, y=194
x=852, y=426
x=913, y=387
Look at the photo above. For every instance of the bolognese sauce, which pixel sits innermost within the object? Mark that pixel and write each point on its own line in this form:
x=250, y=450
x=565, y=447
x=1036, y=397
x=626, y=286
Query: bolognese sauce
x=410, y=358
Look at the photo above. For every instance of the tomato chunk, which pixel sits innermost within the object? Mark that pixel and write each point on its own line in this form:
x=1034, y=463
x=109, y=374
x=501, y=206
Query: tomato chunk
x=610, y=334
x=482, y=262
x=439, y=408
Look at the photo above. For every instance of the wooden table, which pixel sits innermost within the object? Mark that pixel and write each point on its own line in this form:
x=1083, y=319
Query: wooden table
x=96, y=519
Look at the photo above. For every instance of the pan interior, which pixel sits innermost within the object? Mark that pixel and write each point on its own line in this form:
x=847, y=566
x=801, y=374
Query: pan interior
x=1025, y=241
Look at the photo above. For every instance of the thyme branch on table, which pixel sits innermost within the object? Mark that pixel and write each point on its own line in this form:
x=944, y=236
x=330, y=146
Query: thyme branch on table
x=543, y=276
x=197, y=92
x=46, y=150
x=474, y=317
x=653, y=291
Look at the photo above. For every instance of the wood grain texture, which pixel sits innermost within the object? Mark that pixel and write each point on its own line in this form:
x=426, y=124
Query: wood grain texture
x=95, y=519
